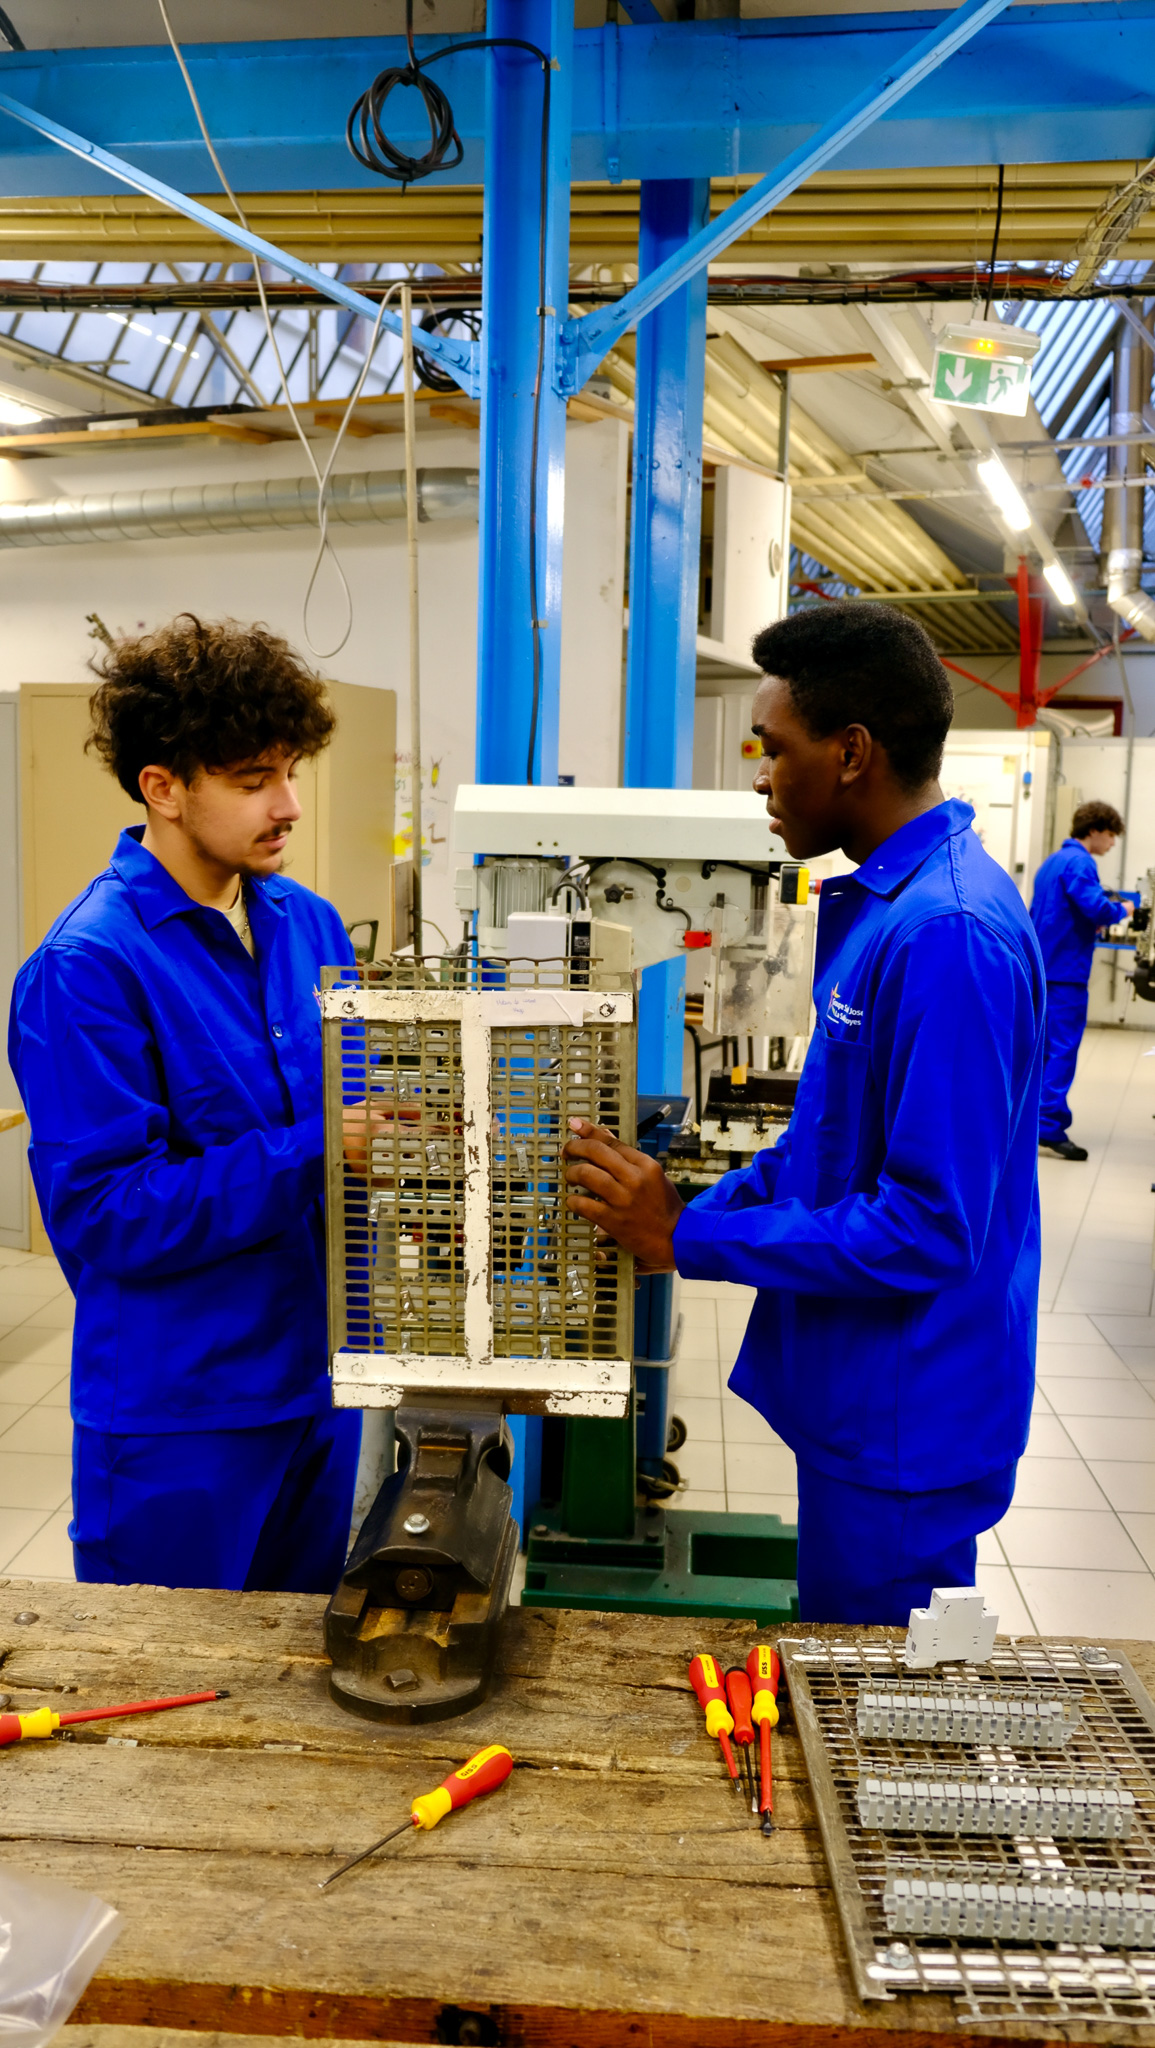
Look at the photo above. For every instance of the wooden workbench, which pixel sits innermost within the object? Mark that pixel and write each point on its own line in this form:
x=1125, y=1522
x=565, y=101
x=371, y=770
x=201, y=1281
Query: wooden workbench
x=608, y=1895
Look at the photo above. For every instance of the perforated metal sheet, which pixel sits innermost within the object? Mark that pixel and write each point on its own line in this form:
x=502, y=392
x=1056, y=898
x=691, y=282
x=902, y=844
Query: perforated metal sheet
x=1012, y=1976
x=551, y=1294
x=454, y=1265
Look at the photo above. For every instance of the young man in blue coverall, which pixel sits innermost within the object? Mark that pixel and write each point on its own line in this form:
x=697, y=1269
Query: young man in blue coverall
x=167, y=1042
x=1068, y=906
x=893, y=1232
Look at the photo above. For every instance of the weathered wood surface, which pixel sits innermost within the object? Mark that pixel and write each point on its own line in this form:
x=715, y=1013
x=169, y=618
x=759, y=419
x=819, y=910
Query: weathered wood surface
x=611, y=1894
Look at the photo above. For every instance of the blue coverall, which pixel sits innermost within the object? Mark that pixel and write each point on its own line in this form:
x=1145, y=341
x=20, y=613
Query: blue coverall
x=173, y=1087
x=893, y=1231
x=1068, y=906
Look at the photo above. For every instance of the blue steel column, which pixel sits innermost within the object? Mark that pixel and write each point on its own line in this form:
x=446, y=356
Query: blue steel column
x=510, y=299
x=664, y=551
x=511, y=295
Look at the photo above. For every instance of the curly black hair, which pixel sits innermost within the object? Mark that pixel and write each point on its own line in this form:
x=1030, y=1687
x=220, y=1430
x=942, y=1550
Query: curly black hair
x=856, y=663
x=195, y=696
x=1095, y=816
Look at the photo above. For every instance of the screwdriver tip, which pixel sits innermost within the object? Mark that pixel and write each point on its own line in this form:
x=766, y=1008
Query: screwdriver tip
x=224, y=1693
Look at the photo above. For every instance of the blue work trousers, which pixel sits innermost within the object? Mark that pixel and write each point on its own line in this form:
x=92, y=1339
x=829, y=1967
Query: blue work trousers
x=1066, y=1021
x=869, y=1556
x=254, y=1510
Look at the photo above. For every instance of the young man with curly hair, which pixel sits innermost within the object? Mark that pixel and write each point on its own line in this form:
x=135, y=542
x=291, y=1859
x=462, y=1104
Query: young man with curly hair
x=1068, y=906
x=166, y=1039
x=893, y=1231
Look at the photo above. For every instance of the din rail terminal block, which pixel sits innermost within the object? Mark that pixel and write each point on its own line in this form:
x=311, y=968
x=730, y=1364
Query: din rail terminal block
x=986, y=1903
x=969, y=1802
x=929, y=1711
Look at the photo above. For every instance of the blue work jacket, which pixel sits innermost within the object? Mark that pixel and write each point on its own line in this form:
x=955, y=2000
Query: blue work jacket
x=1068, y=906
x=173, y=1087
x=893, y=1231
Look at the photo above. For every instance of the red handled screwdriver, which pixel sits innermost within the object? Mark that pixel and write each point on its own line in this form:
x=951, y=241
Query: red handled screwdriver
x=705, y=1679
x=483, y=1773
x=762, y=1669
x=741, y=1699
x=42, y=1721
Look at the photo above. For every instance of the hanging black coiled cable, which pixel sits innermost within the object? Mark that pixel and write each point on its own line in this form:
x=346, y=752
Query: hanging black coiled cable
x=371, y=146
x=367, y=138
x=439, y=321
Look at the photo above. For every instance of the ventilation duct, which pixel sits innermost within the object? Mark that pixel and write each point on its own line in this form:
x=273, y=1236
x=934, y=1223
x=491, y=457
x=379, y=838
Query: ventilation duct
x=249, y=507
x=1124, y=596
x=1123, y=514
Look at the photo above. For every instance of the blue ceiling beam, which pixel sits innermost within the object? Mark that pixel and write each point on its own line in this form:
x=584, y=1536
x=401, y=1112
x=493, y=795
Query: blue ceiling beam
x=1057, y=84
x=590, y=338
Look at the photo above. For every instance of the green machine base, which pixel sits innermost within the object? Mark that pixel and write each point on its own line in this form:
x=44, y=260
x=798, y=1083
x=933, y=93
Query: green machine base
x=688, y=1562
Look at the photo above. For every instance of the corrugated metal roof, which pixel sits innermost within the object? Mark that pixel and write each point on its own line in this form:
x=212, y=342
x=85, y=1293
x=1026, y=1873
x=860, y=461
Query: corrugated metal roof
x=188, y=358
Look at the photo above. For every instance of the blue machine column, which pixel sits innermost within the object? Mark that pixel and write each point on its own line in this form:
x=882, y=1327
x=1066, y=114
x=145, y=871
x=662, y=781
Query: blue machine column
x=664, y=554
x=510, y=668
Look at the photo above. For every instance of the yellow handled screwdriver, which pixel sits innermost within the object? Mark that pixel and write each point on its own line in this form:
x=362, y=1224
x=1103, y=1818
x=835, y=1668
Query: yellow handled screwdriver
x=42, y=1721
x=763, y=1670
x=483, y=1773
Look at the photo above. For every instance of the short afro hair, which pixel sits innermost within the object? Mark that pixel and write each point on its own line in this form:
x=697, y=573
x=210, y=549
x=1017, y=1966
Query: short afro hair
x=195, y=696
x=855, y=663
x=1095, y=817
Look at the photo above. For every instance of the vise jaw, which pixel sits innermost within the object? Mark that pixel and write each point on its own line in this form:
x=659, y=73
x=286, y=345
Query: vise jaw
x=412, y=1627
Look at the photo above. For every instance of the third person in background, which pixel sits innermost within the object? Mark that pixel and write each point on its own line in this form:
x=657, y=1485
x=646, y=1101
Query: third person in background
x=1068, y=907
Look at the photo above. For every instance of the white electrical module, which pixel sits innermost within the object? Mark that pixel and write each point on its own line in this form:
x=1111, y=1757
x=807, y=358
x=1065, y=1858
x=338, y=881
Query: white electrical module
x=958, y=1625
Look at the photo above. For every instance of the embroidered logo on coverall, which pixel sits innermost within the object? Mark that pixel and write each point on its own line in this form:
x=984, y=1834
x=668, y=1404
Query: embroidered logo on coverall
x=840, y=1012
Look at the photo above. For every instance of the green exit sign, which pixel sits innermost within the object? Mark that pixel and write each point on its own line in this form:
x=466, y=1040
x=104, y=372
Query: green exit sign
x=969, y=380
x=984, y=364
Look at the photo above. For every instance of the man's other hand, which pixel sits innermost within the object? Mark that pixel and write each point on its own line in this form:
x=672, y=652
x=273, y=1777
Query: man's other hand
x=361, y=1123
x=624, y=1192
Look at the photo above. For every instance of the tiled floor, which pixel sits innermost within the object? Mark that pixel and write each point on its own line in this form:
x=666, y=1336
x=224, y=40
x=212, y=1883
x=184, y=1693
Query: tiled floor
x=1077, y=1549
x=35, y=1429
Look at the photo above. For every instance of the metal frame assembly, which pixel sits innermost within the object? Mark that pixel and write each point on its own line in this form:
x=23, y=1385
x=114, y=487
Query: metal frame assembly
x=460, y=1287
x=455, y=1266
x=1021, y=1885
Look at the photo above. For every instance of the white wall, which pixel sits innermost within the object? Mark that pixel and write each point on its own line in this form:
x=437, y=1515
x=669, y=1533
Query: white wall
x=13, y=1144
x=593, y=601
x=46, y=593
x=1005, y=777
x=975, y=706
x=1098, y=768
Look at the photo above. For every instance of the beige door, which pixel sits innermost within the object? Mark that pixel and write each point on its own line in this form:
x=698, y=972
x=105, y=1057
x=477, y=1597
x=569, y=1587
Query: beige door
x=71, y=810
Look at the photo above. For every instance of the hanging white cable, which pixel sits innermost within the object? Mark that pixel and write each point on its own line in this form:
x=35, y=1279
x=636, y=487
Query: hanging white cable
x=324, y=546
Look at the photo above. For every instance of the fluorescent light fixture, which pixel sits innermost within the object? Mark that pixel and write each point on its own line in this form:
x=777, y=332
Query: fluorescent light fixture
x=999, y=487
x=1060, y=582
x=13, y=414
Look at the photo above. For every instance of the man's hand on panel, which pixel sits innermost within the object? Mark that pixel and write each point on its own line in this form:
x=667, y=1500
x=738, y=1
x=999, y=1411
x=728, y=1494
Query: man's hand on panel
x=624, y=1193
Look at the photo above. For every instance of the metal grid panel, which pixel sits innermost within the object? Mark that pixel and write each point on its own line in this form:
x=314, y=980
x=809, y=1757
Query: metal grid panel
x=405, y=1223
x=451, y=1252
x=1016, y=1975
x=553, y=1295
